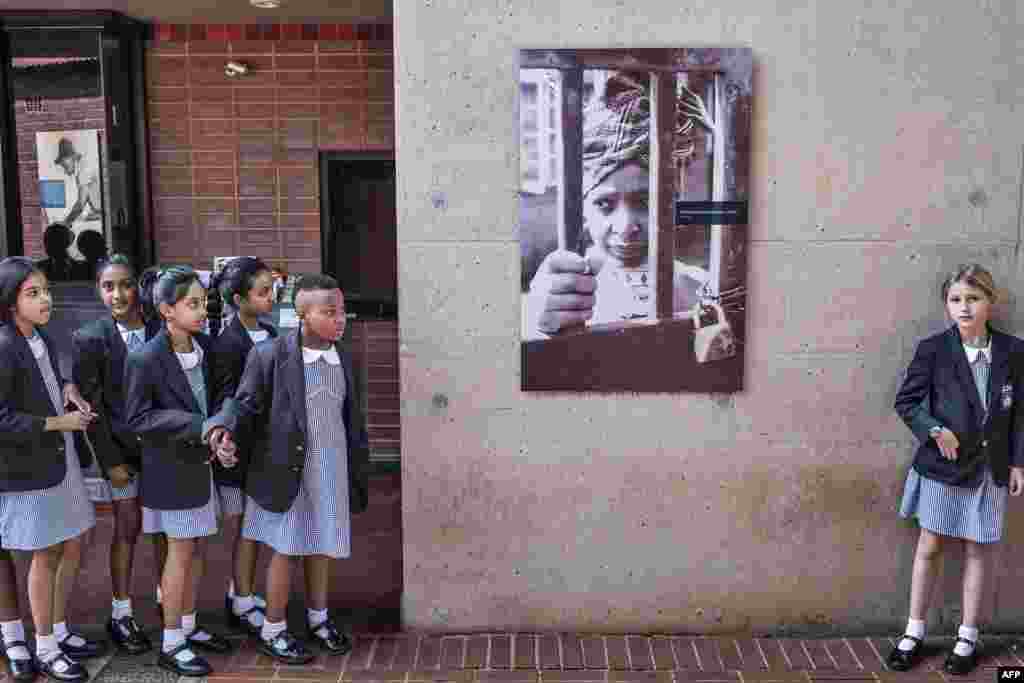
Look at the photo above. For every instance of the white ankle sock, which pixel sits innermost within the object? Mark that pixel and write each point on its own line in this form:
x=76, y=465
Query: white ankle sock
x=915, y=627
x=240, y=605
x=971, y=634
x=14, y=631
x=315, y=617
x=272, y=629
x=60, y=630
x=119, y=609
x=173, y=637
x=46, y=647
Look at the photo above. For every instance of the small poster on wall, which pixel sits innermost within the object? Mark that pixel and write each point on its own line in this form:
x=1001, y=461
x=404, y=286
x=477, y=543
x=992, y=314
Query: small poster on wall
x=71, y=198
x=633, y=187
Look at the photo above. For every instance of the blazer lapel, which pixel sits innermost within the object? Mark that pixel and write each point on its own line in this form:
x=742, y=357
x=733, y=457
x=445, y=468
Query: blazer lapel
x=295, y=377
x=1000, y=369
x=964, y=374
x=115, y=343
x=175, y=375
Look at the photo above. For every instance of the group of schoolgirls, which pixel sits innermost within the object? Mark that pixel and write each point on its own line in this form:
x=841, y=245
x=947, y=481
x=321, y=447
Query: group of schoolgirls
x=260, y=432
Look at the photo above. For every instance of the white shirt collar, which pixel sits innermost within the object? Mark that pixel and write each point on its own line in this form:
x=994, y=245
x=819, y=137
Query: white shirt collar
x=972, y=353
x=36, y=344
x=190, y=360
x=330, y=354
x=257, y=335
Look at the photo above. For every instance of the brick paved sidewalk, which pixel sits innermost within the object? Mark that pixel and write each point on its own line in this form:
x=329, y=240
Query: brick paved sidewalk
x=583, y=658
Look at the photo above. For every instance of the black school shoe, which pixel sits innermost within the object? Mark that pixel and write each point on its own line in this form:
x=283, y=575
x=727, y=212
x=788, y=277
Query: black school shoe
x=904, y=660
x=72, y=673
x=197, y=666
x=127, y=635
x=20, y=669
x=87, y=650
x=214, y=643
x=241, y=622
x=335, y=642
x=286, y=649
x=962, y=665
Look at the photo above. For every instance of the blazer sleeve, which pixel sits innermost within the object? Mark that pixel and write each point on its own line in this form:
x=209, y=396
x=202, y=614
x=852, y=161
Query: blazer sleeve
x=225, y=371
x=912, y=403
x=250, y=400
x=16, y=427
x=142, y=414
x=1017, y=436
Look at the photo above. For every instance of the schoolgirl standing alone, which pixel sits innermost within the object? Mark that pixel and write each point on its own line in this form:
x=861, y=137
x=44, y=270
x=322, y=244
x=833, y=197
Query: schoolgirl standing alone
x=247, y=285
x=959, y=398
x=298, y=398
x=167, y=405
x=98, y=351
x=44, y=507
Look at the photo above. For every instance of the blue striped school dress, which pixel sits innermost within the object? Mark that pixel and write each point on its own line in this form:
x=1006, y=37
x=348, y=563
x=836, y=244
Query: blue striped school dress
x=231, y=502
x=976, y=514
x=133, y=340
x=31, y=520
x=191, y=522
x=318, y=522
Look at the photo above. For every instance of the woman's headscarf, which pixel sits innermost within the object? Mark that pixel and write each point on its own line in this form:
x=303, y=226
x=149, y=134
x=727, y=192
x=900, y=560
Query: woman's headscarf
x=616, y=126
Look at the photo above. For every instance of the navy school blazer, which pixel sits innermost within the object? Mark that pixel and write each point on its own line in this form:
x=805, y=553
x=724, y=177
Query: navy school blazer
x=939, y=390
x=98, y=355
x=228, y=353
x=271, y=403
x=161, y=409
x=30, y=458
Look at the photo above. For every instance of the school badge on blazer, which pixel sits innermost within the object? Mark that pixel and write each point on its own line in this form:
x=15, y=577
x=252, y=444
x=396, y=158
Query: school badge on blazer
x=1007, y=394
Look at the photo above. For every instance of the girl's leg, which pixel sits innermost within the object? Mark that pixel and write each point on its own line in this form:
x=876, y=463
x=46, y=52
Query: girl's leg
x=10, y=617
x=927, y=563
x=242, y=598
x=975, y=568
x=160, y=554
x=176, y=577
x=71, y=643
x=127, y=525
x=42, y=575
x=279, y=582
x=318, y=574
x=198, y=635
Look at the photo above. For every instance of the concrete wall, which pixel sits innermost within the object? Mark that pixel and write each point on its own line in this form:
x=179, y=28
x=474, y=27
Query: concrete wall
x=887, y=148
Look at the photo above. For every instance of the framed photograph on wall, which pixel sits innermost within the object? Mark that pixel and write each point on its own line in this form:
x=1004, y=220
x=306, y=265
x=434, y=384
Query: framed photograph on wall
x=71, y=194
x=634, y=177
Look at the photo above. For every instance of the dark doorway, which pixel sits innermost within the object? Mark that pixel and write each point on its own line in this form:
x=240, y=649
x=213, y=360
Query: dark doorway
x=358, y=231
x=359, y=243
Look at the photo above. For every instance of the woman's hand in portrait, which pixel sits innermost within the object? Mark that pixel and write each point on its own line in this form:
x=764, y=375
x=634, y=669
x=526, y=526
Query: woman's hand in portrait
x=715, y=341
x=1016, y=481
x=948, y=444
x=564, y=289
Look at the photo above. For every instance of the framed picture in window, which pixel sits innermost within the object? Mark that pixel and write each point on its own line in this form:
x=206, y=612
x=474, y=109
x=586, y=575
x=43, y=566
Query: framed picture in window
x=634, y=176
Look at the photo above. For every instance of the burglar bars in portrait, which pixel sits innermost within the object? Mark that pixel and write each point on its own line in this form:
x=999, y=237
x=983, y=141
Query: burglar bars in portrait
x=666, y=176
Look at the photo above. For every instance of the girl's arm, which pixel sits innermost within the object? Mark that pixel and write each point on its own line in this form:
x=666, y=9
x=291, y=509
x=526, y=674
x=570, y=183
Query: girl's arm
x=16, y=427
x=225, y=371
x=912, y=399
x=147, y=420
x=250, y=399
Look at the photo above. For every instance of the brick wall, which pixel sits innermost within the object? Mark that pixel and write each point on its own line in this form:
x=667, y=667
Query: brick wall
x=235, y=160
x=57, y=114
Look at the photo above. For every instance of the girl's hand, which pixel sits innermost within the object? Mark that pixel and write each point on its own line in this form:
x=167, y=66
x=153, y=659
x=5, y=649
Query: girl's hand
x=226, y=452
x=947, y=443
x=1016, y=481
x=75, y=421
x=121, y=475
x=72, y=396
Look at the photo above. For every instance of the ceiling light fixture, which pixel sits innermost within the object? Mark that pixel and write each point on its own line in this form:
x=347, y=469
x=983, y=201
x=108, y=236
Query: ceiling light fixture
x=265, y=4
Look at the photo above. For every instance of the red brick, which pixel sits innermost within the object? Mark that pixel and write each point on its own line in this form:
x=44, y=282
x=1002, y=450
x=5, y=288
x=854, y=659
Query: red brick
x=213, y=205
x=476, y=652
x=842, y=655
x=772, y=653
x=209, y=47
x=166, y=94
x=255, y=110
x=334, y=62
x=501, y=652
x=257, y=205
x=294, y=62
x=298, y=94
x=548, y=643
x=298, y=183
x=170, y=110
x=259, y=238
x=294, y=46
x=251, y=47
x=639, y=653
x=169, y=188
x=381, y=62
x=298, y=221
x=263, y=127
x=216, y=221
x=257, y=220
x=215, y=110
x=209, y=94
x=300, y=205
x=452, y=652
x=615, y=646
x=213, y=126
x=298, y=109
x=213, y=158
x=164, y=71
x=795, y=653
x=343, y=78
x=214, y=174
x=296, y=78
x=572, y=651
x=328, y=32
